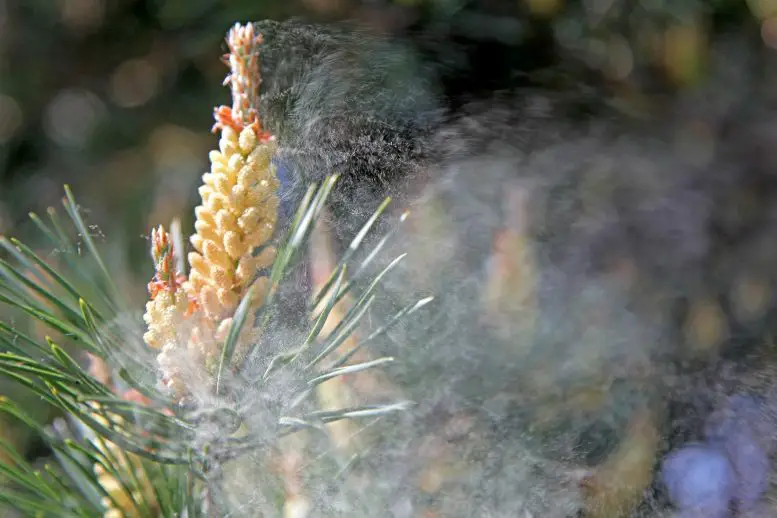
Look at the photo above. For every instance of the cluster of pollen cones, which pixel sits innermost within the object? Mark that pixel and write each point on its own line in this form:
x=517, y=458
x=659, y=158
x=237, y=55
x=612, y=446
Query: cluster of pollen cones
x=188, y=317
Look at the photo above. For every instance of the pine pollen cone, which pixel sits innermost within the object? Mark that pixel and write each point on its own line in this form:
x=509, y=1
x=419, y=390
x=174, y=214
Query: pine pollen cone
x=239, y=195
x=118, y=501
x=168, y=303
x=234, y=224
x=237, y=216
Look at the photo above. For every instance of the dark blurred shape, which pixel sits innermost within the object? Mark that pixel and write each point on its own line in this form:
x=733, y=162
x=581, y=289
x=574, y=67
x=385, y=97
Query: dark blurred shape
x=11, y=117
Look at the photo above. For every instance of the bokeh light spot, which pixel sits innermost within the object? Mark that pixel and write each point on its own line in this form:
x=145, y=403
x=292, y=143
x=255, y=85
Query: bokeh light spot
x=72, y=117
x=134, y=83
x=82, y=15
